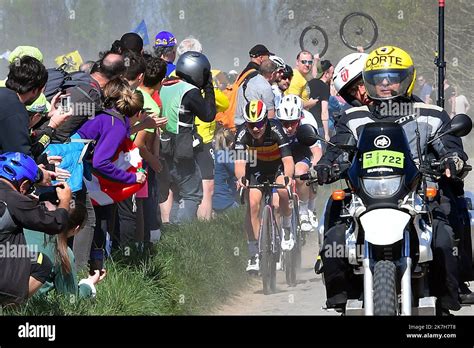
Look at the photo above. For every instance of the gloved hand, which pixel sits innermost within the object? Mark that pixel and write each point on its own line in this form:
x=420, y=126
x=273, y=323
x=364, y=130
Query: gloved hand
x=451, y=165
x=323, y=171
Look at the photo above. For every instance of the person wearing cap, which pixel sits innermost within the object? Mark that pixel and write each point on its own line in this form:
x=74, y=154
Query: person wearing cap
x=319, y=89
x=128, y=42
x=165, y=48
x=258, y=54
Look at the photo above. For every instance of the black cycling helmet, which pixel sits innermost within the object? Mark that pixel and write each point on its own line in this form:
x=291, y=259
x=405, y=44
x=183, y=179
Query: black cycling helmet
x=194, y=68
x=287, y=71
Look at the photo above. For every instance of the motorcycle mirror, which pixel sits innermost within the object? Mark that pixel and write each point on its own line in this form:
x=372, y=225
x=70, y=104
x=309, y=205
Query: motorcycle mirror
x=307, y=135
x=461, y=125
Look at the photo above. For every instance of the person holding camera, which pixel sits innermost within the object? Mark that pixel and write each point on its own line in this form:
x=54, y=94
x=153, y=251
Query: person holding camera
x=64, y=274
x=22, y=273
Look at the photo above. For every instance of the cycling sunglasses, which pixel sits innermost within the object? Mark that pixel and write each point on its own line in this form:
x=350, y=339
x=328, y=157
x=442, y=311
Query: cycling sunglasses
x=307, y=62
x=258, y=124
x=288, y=124
x=390, y=77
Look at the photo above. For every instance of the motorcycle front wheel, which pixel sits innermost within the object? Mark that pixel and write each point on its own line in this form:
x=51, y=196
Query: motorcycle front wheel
x=385, y=289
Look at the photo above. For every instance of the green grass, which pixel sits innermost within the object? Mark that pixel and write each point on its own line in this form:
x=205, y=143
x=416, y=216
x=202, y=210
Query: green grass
x=193, y=268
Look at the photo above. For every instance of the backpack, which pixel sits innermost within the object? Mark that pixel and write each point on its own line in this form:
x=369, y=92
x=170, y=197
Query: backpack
x=85, y=94
x=226, y=118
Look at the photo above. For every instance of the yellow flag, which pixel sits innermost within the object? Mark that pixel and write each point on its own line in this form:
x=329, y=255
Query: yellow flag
x=72, y=61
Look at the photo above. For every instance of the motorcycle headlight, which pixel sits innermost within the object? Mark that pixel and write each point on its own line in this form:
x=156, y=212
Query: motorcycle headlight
x=383, y=186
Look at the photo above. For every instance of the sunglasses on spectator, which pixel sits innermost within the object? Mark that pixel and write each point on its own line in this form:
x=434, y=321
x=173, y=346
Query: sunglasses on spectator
x=258, y=124
x=390, y=77
x=285, y=77
x=288, y=124
x=307, y=62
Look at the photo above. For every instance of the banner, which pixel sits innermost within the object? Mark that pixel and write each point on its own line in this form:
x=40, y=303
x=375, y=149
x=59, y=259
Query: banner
x=73, y=61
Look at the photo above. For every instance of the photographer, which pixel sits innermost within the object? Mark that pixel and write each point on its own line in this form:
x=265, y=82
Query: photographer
x=20, y=274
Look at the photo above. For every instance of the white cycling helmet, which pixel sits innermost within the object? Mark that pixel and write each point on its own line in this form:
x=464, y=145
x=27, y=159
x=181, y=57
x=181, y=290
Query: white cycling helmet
x=290, y=108
x=348, y=70
x=278, y=61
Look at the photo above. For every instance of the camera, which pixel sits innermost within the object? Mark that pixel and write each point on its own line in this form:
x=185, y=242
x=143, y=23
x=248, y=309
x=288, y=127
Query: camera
x=65, y=103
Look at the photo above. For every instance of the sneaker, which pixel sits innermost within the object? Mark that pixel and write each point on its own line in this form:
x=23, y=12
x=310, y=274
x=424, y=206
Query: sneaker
x=288, y=241
x=279, y=264
x=305, y=224
x=313, y=219
x=253, y=264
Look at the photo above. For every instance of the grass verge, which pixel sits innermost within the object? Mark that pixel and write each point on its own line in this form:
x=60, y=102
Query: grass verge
x=193, y=268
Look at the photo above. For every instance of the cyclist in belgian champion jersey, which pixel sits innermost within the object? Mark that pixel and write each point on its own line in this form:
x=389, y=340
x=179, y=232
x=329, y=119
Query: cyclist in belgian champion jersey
x=263, y=154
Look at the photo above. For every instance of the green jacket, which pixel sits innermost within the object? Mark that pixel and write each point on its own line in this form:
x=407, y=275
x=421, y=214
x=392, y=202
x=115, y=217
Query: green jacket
x=64, y=283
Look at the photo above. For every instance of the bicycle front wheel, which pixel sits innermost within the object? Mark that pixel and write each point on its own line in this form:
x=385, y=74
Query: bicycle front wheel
x=267, y=257
x=358, y=30
x=314, y=39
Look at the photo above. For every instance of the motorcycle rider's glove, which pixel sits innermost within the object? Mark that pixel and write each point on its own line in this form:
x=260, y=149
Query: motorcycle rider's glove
x=452, y=162
x=323, y=171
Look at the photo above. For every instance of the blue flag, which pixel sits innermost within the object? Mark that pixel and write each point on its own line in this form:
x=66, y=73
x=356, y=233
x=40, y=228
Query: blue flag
x=143, y=32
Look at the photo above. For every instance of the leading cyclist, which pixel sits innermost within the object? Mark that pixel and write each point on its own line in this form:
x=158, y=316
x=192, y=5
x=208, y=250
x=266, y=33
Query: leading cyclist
x=263, y=153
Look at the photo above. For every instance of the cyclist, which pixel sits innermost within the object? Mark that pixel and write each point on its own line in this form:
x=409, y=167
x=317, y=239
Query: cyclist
x=263, y=139
x=389, y=76
x=291, y=114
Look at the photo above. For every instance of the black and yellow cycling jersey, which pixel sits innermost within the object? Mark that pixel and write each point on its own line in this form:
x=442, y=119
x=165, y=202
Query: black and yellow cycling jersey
x=268, y=150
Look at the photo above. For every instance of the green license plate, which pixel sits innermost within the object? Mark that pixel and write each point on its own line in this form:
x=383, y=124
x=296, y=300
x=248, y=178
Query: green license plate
x=382, y=158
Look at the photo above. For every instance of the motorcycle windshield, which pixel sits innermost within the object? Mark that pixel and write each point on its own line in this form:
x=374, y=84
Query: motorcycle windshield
x=383, y=151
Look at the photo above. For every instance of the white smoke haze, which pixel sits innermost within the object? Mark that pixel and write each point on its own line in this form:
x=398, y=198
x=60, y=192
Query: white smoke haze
x=227, y=29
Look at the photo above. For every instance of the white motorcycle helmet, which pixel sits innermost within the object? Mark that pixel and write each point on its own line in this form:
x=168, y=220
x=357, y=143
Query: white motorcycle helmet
x=290, y=108
x=348, y=70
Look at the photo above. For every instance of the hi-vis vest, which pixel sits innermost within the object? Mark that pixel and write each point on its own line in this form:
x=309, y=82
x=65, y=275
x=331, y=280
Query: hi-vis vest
x=172, y=97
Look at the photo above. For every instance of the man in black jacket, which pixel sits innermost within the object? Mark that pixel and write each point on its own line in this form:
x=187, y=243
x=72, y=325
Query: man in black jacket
x=390, y=86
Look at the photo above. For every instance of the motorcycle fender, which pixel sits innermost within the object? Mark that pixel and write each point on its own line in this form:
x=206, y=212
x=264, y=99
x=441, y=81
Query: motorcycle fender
x=384, y=226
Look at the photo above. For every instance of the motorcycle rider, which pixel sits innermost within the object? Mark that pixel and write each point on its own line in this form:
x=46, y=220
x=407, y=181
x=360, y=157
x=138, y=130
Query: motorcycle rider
x=389, y=77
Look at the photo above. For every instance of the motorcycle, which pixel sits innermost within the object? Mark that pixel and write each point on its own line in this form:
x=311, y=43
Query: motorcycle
x=389, y=225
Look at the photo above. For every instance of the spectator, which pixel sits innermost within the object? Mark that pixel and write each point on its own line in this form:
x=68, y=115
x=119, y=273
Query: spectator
x=224, y=178
x=110, y=66
x=205, y=157
x=189, y=44
x=424, y=89
x=320, y=90
x=258, y=54
x=299, y=82
x=336, y=106
x=165, y=48
x=109, y=129
x=64, y=273
x=25, y=82
x=87, y=66
x=461, y=104
x=258, y=87
x=135, y=69
x=449, y=98
x=128, y=42
x=182, y=102
x=147, y=140
x=282, y=85
x=22, y=275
